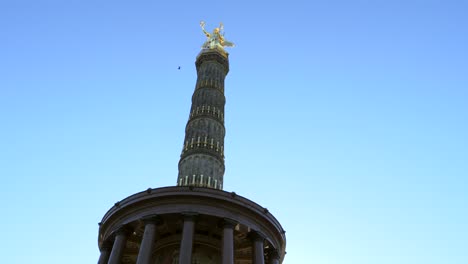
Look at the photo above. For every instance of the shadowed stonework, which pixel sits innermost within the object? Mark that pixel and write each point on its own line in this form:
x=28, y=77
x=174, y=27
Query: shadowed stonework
x=195, y=222
x=202, y=159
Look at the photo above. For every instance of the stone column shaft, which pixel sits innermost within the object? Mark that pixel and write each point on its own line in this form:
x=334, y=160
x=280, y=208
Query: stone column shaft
x=257, y=248
x=273, y=257
x=274, y=261
x=228, y=242
x=105, y=253
x=118, y=248
x=202, y=159
x=147, y=243
x=186, y=244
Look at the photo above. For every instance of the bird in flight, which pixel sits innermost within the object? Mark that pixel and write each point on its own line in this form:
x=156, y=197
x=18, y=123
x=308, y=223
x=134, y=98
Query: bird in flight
x=178, y=68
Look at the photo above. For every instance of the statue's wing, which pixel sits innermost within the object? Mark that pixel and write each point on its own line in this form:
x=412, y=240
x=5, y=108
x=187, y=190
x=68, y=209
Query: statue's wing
x=228, y=44
x=206, y=44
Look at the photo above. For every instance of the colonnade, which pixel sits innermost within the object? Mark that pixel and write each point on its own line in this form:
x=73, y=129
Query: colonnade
x=111, y=253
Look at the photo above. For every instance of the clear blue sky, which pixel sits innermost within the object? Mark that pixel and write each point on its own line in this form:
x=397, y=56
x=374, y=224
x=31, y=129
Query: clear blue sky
x=347, y=119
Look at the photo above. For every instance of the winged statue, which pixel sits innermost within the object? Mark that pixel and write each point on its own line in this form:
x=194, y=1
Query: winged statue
x=215, y=40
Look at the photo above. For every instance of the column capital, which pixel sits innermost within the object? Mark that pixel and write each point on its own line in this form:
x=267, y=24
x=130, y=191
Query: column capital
x=226, y=222
x=151, y=219
x=256, y=236
x=212, y=55
x=189, y=216
x=273, y=254
x=106, y=245
x=123, y=230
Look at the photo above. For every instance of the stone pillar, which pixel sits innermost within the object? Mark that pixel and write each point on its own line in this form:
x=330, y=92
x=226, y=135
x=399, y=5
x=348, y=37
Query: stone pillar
x=186, y=244
x=204, y=137
x=257, y=248
x=273, y=257
x=119, y=246
x=146, y=247
x=105, y=253
x=228, y=241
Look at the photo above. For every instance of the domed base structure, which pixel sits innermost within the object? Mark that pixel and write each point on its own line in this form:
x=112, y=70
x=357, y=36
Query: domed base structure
x=190, y=225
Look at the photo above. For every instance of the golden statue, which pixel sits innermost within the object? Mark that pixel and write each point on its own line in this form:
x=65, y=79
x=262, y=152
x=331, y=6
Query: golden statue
x=216, y=39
